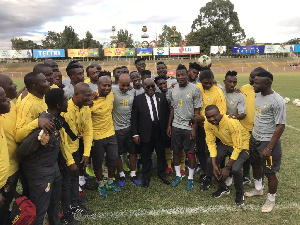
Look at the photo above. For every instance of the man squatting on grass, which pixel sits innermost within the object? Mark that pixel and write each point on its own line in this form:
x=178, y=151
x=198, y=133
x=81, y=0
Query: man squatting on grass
x=102, y=120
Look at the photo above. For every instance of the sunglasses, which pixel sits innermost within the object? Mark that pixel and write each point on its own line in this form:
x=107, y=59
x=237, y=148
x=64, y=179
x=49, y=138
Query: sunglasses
x=150, y=86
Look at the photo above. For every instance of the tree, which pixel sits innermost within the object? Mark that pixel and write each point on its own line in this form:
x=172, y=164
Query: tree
x=89, y=42
x=166, y=35
x=68, y=39
x=124, y=36
x=293, y=41
x=250, y=41
x=216, y=24
x=52, y=40
x=19, y=43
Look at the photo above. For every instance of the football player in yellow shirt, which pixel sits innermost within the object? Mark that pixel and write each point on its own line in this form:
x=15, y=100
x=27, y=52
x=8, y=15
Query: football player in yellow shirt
x=234, y=142
x=105, y=139
x=8, y=123
x=4, y=160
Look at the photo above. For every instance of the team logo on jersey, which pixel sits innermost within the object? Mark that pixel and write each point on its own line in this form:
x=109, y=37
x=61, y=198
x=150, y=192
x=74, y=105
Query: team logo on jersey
x=208, y=99
x=174, y=94
x=226, y=131
x=188, y=95
x=47, y=189
x=232, y=101
x=265, y=106
x=130, y=96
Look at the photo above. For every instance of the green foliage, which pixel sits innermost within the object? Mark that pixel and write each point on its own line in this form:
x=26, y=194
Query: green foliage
x=166, y=34
x=124, y=36
x=52, y=40
x=19, y=43
x=216, y=24
x=293, y=41
x=250, y=41
x=69, y=39
x=89, y=42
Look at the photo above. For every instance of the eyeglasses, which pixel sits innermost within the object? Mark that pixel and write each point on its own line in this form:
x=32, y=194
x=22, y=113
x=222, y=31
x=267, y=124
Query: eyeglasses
x=150, y=86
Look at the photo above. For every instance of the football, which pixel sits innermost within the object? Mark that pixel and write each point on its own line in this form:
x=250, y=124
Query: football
x=204, y=60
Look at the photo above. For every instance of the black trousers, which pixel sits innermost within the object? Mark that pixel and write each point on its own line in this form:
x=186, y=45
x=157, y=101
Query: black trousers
x=202, y=151
x=222, y=152
x=147, y=149
x=70, y=185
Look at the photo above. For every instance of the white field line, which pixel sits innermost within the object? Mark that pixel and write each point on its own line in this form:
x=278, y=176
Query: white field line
x=295, y=128
x=181, y=211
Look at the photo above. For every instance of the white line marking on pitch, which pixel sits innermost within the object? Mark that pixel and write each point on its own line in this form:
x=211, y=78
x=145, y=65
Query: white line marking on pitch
x=295, y=128
x=180, y=211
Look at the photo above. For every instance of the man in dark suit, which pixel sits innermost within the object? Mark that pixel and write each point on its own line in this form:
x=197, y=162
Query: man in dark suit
x=149, y=120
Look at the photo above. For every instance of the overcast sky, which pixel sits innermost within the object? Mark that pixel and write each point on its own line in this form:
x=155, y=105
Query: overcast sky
x=265, y=20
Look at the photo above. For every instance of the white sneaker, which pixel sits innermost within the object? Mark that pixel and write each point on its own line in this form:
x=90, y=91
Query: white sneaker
x=268, y=206
x=228, y=181
x=254, y=192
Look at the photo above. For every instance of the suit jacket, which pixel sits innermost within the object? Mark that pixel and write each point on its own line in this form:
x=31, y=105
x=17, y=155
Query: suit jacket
x=141, y=122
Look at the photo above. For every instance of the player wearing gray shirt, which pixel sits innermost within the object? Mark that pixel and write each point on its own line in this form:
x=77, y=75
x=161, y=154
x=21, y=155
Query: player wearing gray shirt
x=94, y=87
x=186, y=101
x=121, y=113
x=270, y=110
x=265, y=144
x=236, y=103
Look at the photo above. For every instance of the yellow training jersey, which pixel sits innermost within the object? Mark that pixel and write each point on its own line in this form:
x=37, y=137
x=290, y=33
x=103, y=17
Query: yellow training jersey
x=80, y=122
x=28, y=111
x=8, y=122
x=87, y=80
x=4, y=159
x=230, y=132
x=248, y=92
x=213, y=96
x=102, y=117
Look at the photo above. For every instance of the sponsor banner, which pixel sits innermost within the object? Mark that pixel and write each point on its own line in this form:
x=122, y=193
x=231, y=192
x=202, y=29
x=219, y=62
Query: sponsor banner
x=248, y=49
x=15, y=54
x=297, y=48
x=130, y=52
x=220, y=50
x=143, y=51
x=161, y=51
x=93, y=52
x=48, y=53
x=279, y=48
x=119, y=51
x=187, y=50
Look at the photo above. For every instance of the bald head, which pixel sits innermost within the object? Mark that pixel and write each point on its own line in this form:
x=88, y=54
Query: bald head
x=82, y=94
x=148, y=81
x=104, y=86
x=52, y=63
x=124, y=82
x=81, y=86
x=4, y=102
x=8, y=85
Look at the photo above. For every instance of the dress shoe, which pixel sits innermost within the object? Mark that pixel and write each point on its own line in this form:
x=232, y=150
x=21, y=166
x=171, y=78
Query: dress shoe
x=146, y=184
x=164, y=180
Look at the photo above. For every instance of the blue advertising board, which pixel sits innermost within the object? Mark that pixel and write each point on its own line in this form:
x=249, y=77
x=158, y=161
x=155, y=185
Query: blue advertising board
x=297, y=48
x=48, y=53
x=248, y=49
x=143, y=51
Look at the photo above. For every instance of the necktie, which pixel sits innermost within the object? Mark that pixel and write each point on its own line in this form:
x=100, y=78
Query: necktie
x=154, y=111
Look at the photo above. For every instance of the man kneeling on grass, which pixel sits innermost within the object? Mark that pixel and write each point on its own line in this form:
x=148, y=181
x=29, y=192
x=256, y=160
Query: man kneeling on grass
x=234, y=142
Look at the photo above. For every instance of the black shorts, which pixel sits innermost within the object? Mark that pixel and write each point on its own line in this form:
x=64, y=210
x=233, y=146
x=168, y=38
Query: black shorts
x=271, y=165
x=110, y=147
x=180, y=139
x=125, y=142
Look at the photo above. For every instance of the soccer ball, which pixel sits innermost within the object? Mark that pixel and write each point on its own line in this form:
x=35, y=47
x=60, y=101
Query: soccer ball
x=204, y=61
